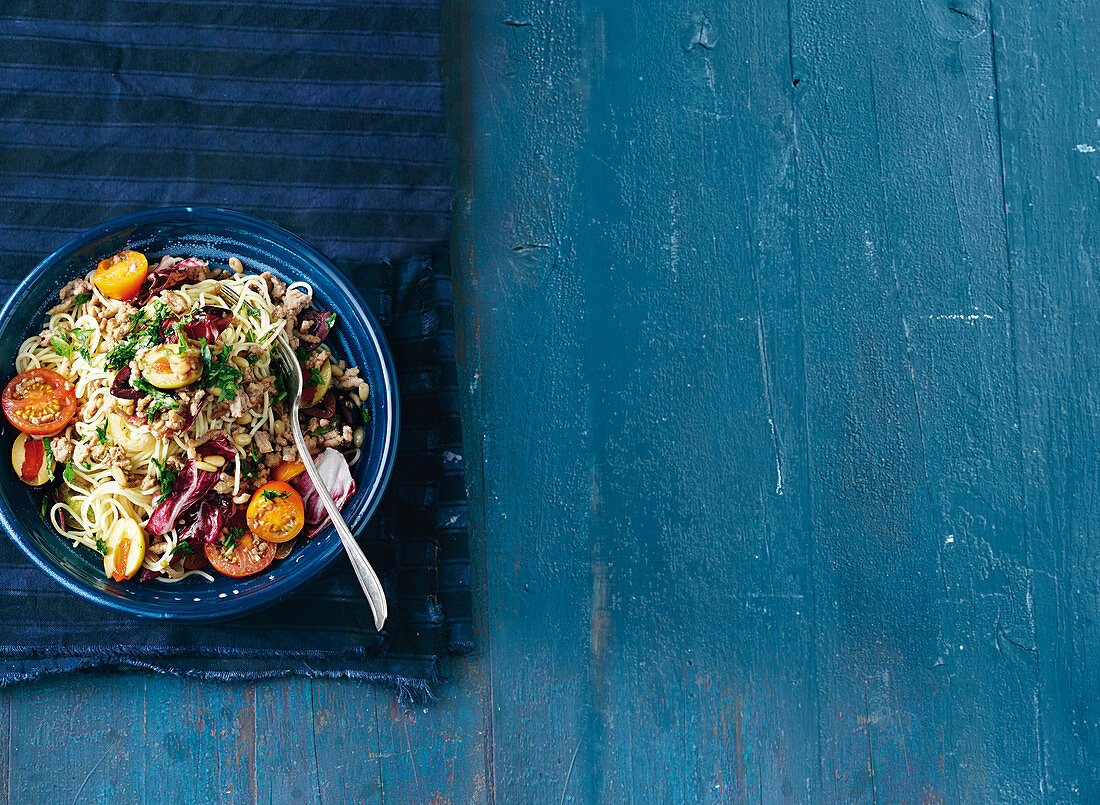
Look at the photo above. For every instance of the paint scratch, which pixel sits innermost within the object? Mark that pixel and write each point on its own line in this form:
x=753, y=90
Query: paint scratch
x=971, y=317
x=1085, y=148
x=569, y=774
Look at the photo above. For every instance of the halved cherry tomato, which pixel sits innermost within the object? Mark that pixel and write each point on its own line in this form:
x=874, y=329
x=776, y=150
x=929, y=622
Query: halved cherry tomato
x=276, y=512
x=39, y=402
x=251, y=555
x=288, y=470
x=121, y=275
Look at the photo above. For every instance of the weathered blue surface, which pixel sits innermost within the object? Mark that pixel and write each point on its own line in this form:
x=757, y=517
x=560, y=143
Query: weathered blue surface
x=780, y=326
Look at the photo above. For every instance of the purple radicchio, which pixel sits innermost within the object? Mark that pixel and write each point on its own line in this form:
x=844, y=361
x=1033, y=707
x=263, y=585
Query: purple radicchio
x=191, y=486
x=336, y=475
x=169, y=273
x=121, y=387
x=204, y=522
x=321, y=326
x=208, y=323
x=218, y=446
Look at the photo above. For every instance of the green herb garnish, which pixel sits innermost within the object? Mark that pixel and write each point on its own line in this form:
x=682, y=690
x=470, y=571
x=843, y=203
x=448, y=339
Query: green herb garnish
x=102, y=546
x=182, y=549
x=82, y=298
x=162, y=400
x=218, y=372
x=120, y=354
x=61, y=348
x=167, y=475
x=49, y=455
x=273, y=494
x=101, y=433
x=330, y=320
x=69, y=474
x=231, y=538
x=315, y=379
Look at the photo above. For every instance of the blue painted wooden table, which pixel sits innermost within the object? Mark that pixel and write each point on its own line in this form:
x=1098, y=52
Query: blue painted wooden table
x=779, y=330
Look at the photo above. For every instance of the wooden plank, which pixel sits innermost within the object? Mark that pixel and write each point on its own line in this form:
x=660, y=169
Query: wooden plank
x=201, y=735
x=79, y=740
x=919, y=563
x=1047, y=58
x=286, y=748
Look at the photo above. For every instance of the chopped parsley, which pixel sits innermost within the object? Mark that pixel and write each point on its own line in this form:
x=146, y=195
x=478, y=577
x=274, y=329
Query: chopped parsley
x=81, y=335
x=181, y=336
x=69, y=474
x=82, y=298
x=182, y=549
x=102, y=546
x=252, y=311
x=218, y=372
x=321, y=431
x=120, y=354
x=232, y=537
x=101, y=433
x=366, y=415
x=273, y=494
x=144, y=332
x=86, y=464
x=280, y=386
x=49, y=455
x=330, y=320
x=61, y=348
x=162, y=400
x=167, y=475
x=315, y=379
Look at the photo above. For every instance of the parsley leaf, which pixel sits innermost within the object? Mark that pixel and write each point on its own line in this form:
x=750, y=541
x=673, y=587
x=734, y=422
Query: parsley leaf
x=219, y=372
x=231, y=538
x=49, y=455
x=81, y=298
x=162, y=400
x=273, y=494
x=167, y=475
x=366, y=415
x=315, y=379
x=69, y=474
x=121, y=354
x=102, y=546
x=81, y=334
x=101, y=433
x=182, y=549
x=61, y=348
x=330, y=320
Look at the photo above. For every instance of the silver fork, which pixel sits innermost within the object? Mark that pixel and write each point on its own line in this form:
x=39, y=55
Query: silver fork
x=368, y=579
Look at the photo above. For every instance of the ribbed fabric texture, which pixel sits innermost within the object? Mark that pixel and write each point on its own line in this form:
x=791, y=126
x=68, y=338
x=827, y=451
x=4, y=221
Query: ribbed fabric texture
x=323, y=117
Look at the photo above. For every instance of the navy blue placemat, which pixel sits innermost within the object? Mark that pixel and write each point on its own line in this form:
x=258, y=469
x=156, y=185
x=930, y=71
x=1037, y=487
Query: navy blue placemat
x=324, y=117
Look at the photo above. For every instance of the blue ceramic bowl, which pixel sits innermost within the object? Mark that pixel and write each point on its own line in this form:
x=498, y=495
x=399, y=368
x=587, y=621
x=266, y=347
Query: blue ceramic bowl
x=214, y=235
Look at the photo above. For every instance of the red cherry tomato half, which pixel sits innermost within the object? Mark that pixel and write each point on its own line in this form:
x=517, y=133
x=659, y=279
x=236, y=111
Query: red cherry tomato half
x=39, y=402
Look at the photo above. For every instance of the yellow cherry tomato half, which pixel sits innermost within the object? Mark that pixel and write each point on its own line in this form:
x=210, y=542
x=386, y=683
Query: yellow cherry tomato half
x=288, y=470
x=276, y=512
x=121, y=275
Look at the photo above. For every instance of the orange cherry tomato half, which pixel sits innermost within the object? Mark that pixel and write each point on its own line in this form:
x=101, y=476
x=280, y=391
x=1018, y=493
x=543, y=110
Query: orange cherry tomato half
x=276, y=512
x=251, y=555
x=121, y=275
x=288, y=470
x=39, y=402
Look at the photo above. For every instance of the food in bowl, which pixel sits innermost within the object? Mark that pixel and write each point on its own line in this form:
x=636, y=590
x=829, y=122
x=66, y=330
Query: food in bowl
x=154, y=417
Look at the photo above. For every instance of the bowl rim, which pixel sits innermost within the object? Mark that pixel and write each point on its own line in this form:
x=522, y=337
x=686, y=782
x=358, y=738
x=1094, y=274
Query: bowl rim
x=231, y=607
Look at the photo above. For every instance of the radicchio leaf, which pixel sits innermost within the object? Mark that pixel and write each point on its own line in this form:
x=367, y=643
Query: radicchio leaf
x=167, y=274
x=336, y=475
x=320, y=327
x=121, y=387
x=205, y=522
x=218, y=446
x=208, y=323
x=191, y=486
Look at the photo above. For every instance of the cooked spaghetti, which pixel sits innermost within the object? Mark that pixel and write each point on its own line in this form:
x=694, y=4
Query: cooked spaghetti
x=179, y=446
